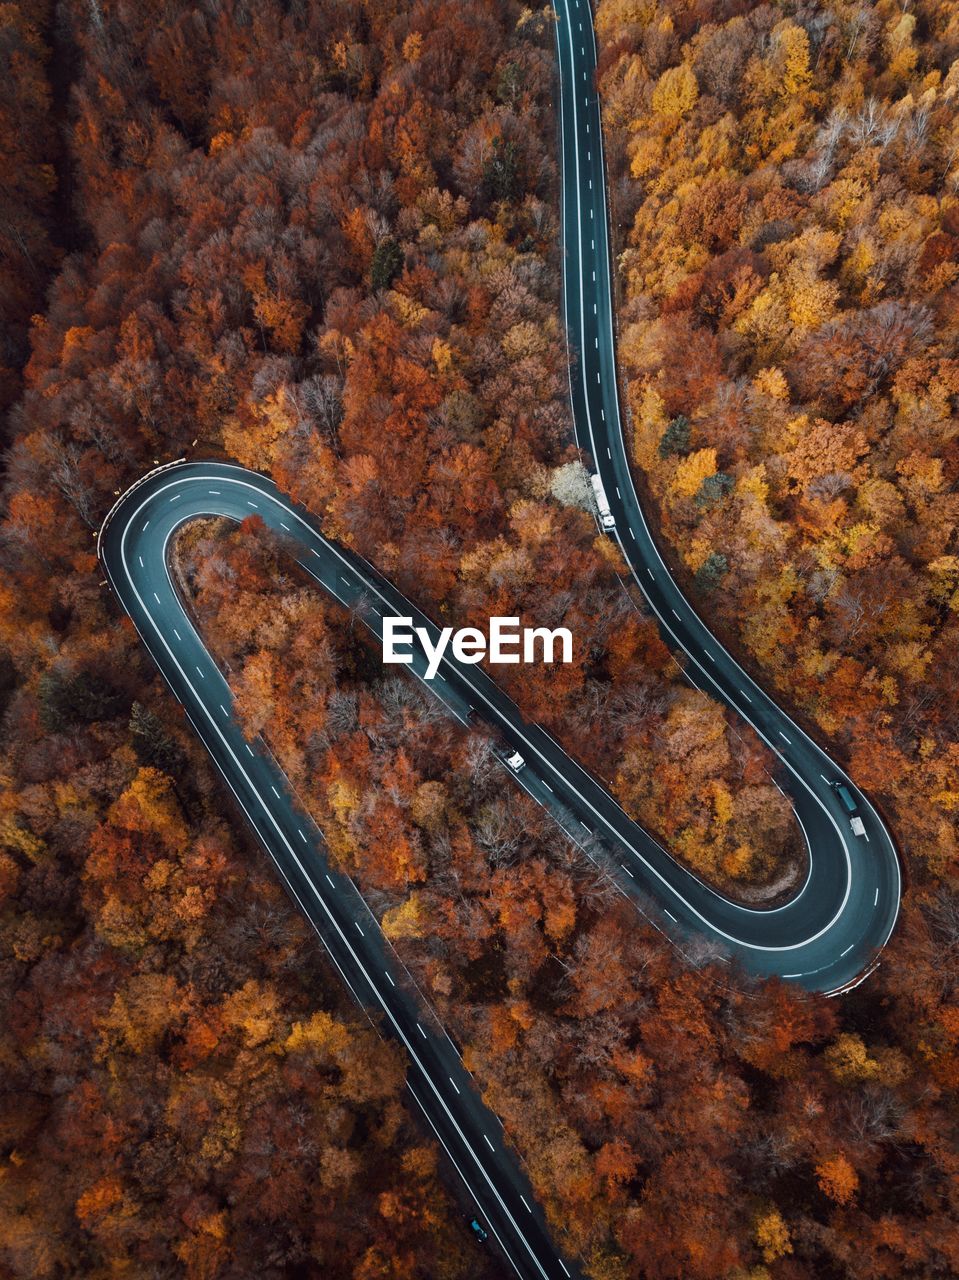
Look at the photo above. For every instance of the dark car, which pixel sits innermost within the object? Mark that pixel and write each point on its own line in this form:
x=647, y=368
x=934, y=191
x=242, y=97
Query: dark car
x=481, y=1235
x=846, y=796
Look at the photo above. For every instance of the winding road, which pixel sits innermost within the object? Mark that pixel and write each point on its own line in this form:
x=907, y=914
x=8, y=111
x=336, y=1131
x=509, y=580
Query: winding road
x=826, y=938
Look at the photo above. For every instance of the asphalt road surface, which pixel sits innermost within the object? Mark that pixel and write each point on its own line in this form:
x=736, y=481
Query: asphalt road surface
x=133, y=548
x=831, y=933
x=826, y=938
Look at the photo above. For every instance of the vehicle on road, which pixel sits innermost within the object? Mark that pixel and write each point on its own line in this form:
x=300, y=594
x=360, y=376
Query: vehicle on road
x=515, y=761
x=481, y=1235
x=846, y=796
x=849, y=804
x=599, y=493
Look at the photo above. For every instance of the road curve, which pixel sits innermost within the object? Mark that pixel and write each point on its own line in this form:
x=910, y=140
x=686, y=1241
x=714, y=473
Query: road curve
x=133, y=548
x=831, y=933
x=825, y=938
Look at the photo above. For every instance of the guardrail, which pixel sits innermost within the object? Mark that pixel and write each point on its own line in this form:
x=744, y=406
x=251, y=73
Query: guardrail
x=164, y=466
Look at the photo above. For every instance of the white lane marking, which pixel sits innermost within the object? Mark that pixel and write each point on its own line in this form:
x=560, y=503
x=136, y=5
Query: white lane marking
x=451, y=1080
x=627, y=870
x=824, y=778
x=801, y=780
x=357, y=923
x=146, y=526
x=792, y=975
x=216, y=492
x=563, y=1265
x=709, y=655
x=389, y=977
x=224, y=710
x=670, y=914
x=784, y=738
x=752, y=946
x=251, y=504
x=301, y=835
x=675, y=615
x=609, y=452
x=577, y=188
x=274, y=790
x=156, y=597
x=429, y=1120
x=284, y=526
x=618, y=494
x=875, y=901
x=177, y=634
x=547, y=786
x=421, y=1031
x=335, y=925
x=583, y=825
x=525, y=1205
x=202, y=676
x=489, y=1144
x=745, y=695
x=846, y=952
x=140, y=558
x=174, y=498
x=249, y=748
x=329, y=881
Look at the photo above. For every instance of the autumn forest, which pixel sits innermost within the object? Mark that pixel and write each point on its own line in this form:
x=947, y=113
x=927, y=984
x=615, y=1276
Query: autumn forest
x=322, y=238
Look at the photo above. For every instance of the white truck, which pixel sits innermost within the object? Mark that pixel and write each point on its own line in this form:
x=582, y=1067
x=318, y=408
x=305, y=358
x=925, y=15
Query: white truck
x=599, y=493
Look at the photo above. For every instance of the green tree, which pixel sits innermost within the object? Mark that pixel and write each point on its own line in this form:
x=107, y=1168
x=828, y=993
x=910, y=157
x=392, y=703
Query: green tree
x=67, y=700
x=152, y=744
x=387, y=263
x=712, y=571
x=676, y=438
x=713, y=489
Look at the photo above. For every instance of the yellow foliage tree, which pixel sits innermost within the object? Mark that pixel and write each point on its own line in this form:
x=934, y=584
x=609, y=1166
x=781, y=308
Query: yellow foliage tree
x=772, y=1235
x=676, y=92
x=692, y=471
x=406, y=920
x=322, y=1034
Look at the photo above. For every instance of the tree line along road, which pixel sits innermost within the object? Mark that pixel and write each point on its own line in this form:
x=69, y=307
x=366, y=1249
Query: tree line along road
x=825, y=938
